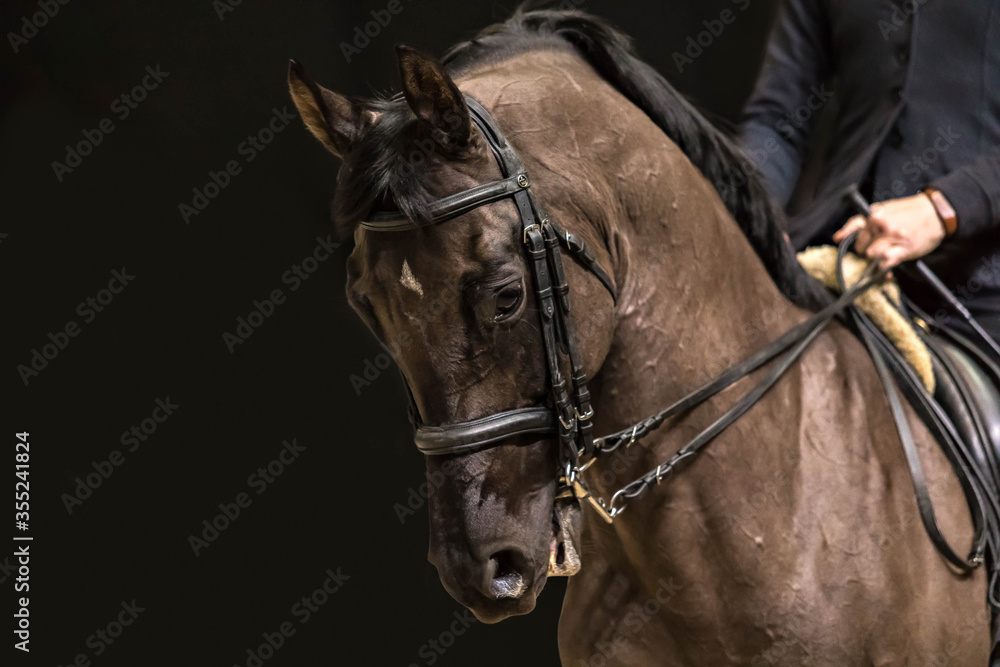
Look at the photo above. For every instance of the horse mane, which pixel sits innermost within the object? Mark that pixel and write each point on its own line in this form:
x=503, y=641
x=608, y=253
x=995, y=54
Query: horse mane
x=611, y=54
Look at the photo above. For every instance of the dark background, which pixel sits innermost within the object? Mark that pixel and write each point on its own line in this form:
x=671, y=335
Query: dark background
x=162, y=335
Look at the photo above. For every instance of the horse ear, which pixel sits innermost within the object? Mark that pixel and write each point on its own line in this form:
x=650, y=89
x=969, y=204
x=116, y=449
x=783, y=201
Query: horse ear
x=433, y=96
x=332, y=118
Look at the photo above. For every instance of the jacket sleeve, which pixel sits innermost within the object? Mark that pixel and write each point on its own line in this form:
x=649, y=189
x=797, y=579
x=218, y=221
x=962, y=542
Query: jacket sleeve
x=974, y=192
x=796, y=62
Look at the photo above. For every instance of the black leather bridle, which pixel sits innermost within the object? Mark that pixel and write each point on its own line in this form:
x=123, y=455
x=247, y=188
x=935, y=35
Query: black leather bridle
x=571, y=417
x=571, y=414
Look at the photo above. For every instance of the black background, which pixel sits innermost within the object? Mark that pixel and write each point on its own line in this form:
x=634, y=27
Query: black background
x=162, y=335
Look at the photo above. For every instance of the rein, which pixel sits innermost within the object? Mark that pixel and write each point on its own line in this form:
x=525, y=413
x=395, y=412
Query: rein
x=792, y=344
x=571, y=415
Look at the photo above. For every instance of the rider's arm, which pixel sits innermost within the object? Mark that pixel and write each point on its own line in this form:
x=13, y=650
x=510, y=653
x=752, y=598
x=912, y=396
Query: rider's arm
x=796, y=64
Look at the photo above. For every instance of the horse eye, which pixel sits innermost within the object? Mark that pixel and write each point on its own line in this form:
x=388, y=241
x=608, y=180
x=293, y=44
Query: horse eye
x=508, y=299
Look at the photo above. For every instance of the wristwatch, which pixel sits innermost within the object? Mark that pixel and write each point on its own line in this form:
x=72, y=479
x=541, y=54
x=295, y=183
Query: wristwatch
x=944, y=210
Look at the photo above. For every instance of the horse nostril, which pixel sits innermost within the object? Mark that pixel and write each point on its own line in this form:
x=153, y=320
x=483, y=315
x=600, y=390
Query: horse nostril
x=507, y=580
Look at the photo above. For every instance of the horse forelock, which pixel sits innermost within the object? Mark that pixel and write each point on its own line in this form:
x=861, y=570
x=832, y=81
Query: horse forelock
x=375, y=171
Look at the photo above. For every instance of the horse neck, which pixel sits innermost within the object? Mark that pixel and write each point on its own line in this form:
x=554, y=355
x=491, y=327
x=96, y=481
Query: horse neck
x=692, y=291
x=695, y=297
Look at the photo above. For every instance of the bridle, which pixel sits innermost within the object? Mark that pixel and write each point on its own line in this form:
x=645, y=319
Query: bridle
x=571, y=417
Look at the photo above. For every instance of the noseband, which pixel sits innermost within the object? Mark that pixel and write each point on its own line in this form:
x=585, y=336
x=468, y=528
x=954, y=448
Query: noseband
x=571, y=416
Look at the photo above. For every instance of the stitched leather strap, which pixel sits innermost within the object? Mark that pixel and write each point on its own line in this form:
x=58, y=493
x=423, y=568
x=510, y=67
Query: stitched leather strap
x=470, y=436
x=450, y=207
x=575, y=245
x=879, y=358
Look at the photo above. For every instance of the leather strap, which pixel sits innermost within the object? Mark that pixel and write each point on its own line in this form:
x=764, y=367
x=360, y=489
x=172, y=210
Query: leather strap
x=477, y=434
x=450, y=207
x=946, y=214
x=793, y=343
x=983, y=494
x=925, y=506
x=575, y=245
x=794, y=335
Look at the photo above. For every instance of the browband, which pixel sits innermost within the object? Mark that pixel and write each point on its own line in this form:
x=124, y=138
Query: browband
x=450, y=207
x=463, y=202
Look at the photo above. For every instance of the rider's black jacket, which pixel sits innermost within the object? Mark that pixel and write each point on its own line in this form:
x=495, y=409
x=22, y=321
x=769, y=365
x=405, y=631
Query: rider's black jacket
x=915, y=85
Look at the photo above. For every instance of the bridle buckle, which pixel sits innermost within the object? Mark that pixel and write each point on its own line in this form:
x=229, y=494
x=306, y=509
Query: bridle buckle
x=531, y=227
x=571, y=424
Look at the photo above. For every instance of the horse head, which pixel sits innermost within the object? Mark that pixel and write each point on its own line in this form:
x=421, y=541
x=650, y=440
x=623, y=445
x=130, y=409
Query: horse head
x=456, y=304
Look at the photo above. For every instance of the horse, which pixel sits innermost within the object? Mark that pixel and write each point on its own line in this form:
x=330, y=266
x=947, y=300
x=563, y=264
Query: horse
x=795, y=537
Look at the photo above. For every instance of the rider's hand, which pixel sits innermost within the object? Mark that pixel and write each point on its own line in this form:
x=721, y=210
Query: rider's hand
x=899, y=230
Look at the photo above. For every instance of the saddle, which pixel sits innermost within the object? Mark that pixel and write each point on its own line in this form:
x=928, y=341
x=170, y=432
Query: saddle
x=968, y=390
x=959, y=376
